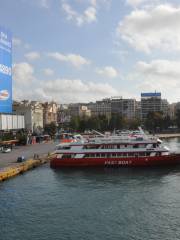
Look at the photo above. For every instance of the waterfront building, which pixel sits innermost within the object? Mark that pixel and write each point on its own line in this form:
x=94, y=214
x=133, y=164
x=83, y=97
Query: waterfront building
x=172, y=110
x=165, y=107
x=101, y=108
x=124, y=107
x=176, y=108
x=33, y=114
x=138, y=110
x=63, y=114
x=150, y=102
x=50, y=110
x=79, y=110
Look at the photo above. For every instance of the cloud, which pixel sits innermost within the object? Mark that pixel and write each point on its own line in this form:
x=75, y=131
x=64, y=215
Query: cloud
x=44, y=3
x=108, y=71
x=48, y=72
x=76, y=60
x=156, y=27
x=22, y=74
x=32, y=56
x=88, y=15
x=16, y=42
x=61, y=90
x=135, y=3
x=76, y=90
x=160, y=68
x=161, y=75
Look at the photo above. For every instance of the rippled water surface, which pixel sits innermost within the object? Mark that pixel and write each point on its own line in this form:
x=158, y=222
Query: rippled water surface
x=91, y=204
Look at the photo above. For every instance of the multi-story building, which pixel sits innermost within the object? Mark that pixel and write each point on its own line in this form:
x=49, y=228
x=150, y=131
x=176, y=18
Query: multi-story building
x=33, y=114
x=150, y=102
x=63, y=114
x=172, y=111
x=165, y=107
x=80, y=110
x=138, y=110
x=101, y=108
x=124, y=107
x=50, y=113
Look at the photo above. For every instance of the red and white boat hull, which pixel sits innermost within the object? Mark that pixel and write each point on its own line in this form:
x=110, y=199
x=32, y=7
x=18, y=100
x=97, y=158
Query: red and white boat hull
x=170, y=159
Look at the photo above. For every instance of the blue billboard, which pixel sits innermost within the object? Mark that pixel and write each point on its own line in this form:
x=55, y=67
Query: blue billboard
x=5, y=71
x=151, y=94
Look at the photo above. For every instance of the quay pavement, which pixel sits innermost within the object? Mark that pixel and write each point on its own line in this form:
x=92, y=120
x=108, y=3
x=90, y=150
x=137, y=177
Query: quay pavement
x=28, y=151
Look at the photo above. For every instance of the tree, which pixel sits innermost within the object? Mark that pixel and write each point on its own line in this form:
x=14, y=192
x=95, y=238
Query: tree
x=75, y=123
x=116, y=122
x=133, y=123
x=154, y=121
x=50, y=129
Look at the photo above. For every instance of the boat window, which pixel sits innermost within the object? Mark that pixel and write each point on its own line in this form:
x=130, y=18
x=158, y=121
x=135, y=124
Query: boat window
x=102, y=154
x=114, y=155
x=141, y=154
x=135, y=146
x=66, y=156
x=130, y=154
x=119, y=154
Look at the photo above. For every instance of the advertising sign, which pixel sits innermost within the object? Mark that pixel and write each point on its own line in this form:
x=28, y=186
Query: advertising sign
x=151, y=94
x=5, y=71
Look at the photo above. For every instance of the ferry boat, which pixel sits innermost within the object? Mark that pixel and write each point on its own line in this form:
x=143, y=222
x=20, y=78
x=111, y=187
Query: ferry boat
x=127, y=150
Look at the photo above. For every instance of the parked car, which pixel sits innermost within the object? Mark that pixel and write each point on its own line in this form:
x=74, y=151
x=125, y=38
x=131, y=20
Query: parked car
x=21, y=159
x=6, y=149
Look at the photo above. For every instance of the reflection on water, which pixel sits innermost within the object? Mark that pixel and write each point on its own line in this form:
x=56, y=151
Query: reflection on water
x=123, y=203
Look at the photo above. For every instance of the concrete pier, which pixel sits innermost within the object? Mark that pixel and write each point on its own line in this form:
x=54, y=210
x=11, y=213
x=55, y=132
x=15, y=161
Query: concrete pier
x=19, y=168
x=168, y=135
x=9, y=167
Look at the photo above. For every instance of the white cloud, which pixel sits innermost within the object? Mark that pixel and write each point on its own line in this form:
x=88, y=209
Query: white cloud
x=22, y=74
x=27, y=86
x=66, y=91
x=44, y=3
x=160, y=68
x=161, y=75
x=135, y=3
x=48, y=72
x=75, y=90
x=93, y=2
x=74, y=59
x=88, y=15
x=16, y=42
x=108, y=71
x=156, y=27
x=32, y=56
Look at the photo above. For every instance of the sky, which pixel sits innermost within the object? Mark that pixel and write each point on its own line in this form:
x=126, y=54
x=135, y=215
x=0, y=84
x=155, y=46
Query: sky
x=86, y=50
